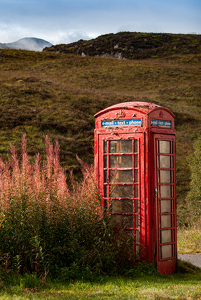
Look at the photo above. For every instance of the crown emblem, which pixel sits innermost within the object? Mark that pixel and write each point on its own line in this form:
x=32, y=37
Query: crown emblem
x=120, y=114
x=161, y=114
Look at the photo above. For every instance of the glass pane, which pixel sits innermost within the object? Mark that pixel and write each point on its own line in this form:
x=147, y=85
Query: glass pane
x=127, y=206
x=172, y=161
x=122, y=191
x=136, y=191
x=136, y=221
x=105, y=190
x=126, y=146
x=165, y=191
x=137, y=250
x=166, y=221
x=136, y=206
x=172, y=188
x=105, y=146
x=166, y=236
x=122, y=206
x=120, y=147
x=113, y=146
x=121, y=176
x=105, y=161
x=164, y=146
x=165, y=176
x=120, y=221
x=105, y=176
x=137, y=240
x=165, y=161
x=172, y=176
x=121, y=161
x=128, y=221
x=116, y=221
x=166, y=251
x=136, y=161
x=136, y=146
x=165, y=206
x=136, y=175
x=129, y=234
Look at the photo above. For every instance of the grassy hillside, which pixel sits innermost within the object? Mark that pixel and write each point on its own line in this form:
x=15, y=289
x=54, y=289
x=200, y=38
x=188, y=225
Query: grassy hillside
x=58, y=94
x=133, y=45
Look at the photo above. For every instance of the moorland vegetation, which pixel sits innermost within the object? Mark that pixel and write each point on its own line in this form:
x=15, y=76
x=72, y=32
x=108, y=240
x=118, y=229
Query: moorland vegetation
x=133, y=45
x=53, y=96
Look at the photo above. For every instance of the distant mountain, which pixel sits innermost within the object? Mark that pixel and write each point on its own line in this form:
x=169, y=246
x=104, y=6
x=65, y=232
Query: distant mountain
x=30, y=43
x=133, y=45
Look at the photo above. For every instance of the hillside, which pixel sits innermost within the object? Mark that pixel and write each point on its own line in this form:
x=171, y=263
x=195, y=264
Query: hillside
x=133, y=45
x=32, y=44
x=58, y=94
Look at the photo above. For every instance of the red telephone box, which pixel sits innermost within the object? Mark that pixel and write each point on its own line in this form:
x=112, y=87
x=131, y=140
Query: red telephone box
x=135, y=167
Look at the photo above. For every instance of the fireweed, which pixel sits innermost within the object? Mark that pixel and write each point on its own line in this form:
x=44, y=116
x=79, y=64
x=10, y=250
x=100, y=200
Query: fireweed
x=47, y=227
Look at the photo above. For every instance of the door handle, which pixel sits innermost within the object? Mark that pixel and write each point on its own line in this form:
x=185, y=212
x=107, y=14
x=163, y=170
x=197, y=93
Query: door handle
x=155, y=192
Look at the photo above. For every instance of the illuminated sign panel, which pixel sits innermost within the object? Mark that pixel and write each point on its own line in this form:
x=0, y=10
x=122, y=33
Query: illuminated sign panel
x=117, y=123
x=161, y=123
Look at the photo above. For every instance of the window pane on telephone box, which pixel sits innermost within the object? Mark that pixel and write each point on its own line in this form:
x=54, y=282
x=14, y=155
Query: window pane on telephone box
x=120, y=147
x=122, y=191
x=121, y=161
x=122, y=206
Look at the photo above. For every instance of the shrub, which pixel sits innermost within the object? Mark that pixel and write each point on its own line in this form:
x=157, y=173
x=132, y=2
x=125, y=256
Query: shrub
x=47, y=227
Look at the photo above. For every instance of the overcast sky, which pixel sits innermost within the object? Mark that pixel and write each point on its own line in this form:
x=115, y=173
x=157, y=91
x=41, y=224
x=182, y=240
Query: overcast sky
x=65, y=21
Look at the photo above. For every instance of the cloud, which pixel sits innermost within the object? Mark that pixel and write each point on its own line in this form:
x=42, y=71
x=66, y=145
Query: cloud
x=10, y=33
x=66, y=21
x=62, y=37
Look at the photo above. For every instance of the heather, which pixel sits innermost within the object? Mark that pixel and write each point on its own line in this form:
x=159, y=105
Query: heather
x=48, y=228
x=133, y=45
x=58, y=94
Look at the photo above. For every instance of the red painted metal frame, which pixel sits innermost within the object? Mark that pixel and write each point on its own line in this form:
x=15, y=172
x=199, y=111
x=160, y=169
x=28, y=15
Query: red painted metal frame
x=140, y=152
x=162, y=263
x=147, y=131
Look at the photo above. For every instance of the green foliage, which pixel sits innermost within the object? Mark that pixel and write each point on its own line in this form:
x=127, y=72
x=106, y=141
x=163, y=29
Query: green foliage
x=194, y=195
x=30, y=281
x=142, y=269
x=47, y=228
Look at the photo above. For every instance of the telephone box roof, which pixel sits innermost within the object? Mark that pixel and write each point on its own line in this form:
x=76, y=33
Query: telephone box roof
x=144, y=107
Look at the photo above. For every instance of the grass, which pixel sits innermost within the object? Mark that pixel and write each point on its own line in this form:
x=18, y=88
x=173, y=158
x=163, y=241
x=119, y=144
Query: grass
x=189, y=239
x=57, y=94
x=139, y=286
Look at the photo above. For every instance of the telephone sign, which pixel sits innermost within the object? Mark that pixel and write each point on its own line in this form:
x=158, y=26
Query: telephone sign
x=121, y=123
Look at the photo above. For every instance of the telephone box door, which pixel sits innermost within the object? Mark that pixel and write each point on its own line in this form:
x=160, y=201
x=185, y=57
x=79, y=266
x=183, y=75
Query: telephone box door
x=165, y=193
x=120, y=177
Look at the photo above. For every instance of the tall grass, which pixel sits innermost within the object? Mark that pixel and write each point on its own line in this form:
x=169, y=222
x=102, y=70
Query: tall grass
x=189, y=231
x=47, y=227
x=189, y=238
x=194, y=195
